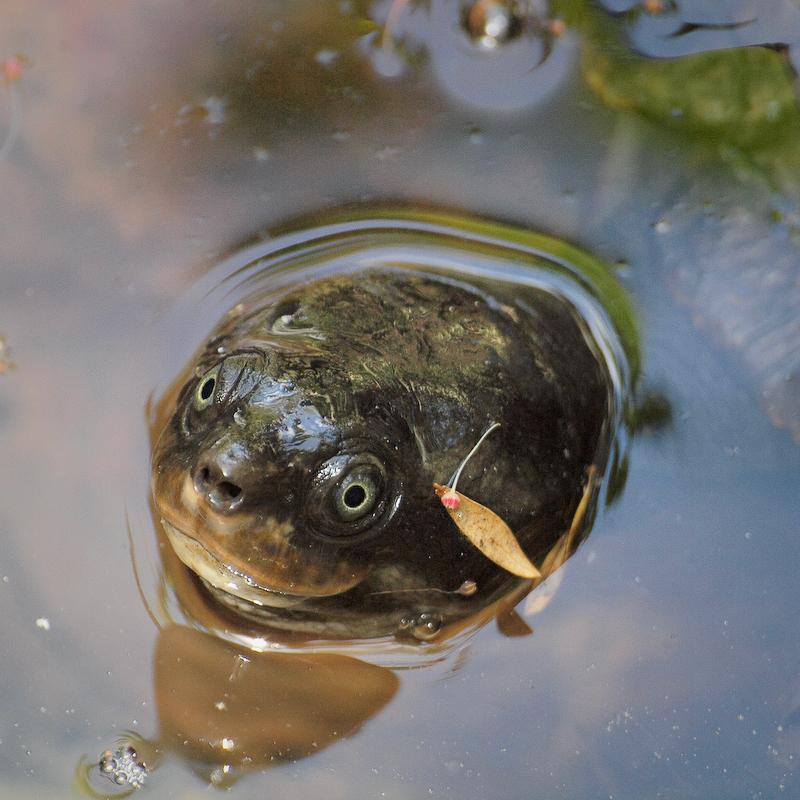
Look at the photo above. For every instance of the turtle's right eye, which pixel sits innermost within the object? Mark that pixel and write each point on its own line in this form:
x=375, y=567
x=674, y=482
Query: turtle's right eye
x=206, y=389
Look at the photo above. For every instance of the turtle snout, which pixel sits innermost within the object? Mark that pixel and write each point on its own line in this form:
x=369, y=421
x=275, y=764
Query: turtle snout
x=219, y=482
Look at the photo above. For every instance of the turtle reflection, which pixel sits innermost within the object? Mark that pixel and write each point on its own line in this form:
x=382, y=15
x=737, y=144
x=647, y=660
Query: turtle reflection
x=226, y=710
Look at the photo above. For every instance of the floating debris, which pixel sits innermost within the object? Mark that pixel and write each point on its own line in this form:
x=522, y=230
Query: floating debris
x=489, y=533
x=467, y=589
x=43, y=623
x=485, y=529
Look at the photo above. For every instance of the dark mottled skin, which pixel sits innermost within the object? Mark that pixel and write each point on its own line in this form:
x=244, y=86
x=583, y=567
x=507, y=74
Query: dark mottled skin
x=404, y=371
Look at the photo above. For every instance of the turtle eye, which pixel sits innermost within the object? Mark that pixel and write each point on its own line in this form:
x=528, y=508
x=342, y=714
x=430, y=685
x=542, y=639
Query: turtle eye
x=206, y=389
x=355, y=496
x=350, y=496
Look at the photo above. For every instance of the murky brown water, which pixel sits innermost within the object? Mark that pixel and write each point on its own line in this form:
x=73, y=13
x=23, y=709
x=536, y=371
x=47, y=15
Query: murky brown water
x=147, y=141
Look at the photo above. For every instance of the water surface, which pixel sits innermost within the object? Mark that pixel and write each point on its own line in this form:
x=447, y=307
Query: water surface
x=148, y=142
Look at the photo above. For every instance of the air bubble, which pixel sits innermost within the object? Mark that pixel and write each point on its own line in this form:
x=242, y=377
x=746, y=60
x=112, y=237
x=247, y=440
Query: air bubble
x=424, y=627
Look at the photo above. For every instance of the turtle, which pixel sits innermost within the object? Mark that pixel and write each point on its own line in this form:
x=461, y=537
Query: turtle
x=293, y=471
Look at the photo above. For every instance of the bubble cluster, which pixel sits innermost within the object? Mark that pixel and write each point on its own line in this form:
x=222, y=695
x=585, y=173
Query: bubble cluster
x=424, y=627
x=123, y=767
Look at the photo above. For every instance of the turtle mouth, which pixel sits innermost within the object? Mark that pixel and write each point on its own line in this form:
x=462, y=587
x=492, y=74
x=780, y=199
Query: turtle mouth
x=223, y=578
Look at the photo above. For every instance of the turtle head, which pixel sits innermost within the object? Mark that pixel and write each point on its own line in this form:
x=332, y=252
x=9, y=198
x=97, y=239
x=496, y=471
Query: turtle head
x=262, y=492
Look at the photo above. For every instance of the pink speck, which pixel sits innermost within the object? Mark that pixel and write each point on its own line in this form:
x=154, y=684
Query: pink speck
x=450, y=499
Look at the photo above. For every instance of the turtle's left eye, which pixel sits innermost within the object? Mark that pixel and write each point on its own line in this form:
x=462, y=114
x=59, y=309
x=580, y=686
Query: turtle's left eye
x=206, y=389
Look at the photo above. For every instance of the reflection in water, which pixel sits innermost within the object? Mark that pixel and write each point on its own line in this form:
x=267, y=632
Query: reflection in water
x=495, y=56
x=735, y=92
x=732, y=83
x=694, y=26
x=227, y=710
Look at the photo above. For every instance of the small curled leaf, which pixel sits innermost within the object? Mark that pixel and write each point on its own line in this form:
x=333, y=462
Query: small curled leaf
x=563, y=548
x=488, y=533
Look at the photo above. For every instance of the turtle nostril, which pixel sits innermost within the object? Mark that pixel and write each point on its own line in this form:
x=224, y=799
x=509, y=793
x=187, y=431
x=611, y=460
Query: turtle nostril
x=227, y=491
x=204, y=479
x=211, y=484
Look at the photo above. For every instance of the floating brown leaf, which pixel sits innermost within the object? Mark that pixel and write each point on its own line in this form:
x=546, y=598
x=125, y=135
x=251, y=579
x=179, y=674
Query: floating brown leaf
x=487, y=532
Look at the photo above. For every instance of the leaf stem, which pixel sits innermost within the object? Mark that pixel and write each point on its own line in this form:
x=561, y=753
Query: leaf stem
x=457, y=474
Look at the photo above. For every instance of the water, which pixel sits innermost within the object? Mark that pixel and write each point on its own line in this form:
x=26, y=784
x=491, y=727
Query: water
x=153, y=141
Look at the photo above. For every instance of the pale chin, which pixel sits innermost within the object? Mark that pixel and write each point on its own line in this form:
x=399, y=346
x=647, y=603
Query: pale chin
x=216, y=574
